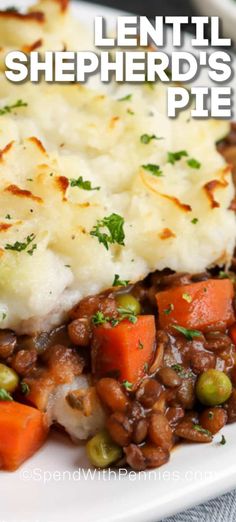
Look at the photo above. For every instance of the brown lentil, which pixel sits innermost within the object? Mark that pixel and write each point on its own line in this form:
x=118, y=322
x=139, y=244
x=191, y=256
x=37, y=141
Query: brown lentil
x=111, y=393
x=185, y=395
x=120, y=429
x=174, y=414
x=187, y=430
x=213, y=419
x=8, y=342
x=154, y=456
x=24, y=361
x=135, y=457
x=217, y=341
x=80, y=332
x=140, y=430
x=148, y=393
x=169, y=377
x=159, y=431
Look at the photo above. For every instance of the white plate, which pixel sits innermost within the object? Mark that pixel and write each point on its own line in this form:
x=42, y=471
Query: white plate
x=53, y=485
x=225, y=10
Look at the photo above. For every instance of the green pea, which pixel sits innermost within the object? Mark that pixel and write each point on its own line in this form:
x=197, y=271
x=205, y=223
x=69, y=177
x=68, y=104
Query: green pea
x=9, y=379
x=128, y=301
x=213, y=387
x=102, y=451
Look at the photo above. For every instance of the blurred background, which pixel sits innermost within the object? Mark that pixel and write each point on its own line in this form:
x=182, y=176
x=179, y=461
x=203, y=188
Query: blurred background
x=225, y=9
x=152, y=8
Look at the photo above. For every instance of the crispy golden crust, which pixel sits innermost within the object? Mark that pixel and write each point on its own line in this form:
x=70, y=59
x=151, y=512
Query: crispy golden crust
x=17, y=191
x=63, y=4
x=36, y=16
x=215, y=184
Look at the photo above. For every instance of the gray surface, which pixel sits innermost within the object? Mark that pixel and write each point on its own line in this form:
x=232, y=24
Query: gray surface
x=222, y=509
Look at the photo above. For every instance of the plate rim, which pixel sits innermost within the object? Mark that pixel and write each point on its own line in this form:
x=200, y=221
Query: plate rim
x=225, y=481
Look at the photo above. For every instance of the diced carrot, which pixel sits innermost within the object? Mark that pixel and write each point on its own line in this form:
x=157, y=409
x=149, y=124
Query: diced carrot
x=22, y=431
x=232, y=333
x=198, y=305
x=125, y=350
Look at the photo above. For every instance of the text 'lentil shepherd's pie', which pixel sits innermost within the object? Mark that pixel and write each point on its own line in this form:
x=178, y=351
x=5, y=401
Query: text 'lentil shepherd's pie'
x=117, y=270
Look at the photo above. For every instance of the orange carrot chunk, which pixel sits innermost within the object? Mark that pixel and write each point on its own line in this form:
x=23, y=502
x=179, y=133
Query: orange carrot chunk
x=125, y=350
x=198, y=305
x=22, y=431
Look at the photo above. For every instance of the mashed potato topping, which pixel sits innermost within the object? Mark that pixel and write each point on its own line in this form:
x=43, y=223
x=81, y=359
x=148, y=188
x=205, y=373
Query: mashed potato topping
x=72, y=156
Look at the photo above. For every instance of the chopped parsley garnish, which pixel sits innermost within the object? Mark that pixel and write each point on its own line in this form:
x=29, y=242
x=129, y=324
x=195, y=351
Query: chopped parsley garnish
x=193, y=163
x=124, y=313
x=8, y=108
x=153, y=169
x=182, y=372
x=127, y=313
x=119, y=282
x=223, y=275
x=145, y=367
x=114, y=223
x=176, y=156
x=200, y=429
x=128, y=97
x=140, y=345
x=80, y=183
x=19, y=246
x=99, y=318
x=210, y=415
x=32, y=249
x=25, y=389
x=172, y=157
x=223, y=440
x=177, y=367
x=128, y=385
x=227, y=275
x=5, y=396
x=8, y=216
x=189, y=334
x=130, y=112
x=113, y=321
x=168, y=310
x=147, y=138
x=4, y=315
x=194, y=221
x=187, y=297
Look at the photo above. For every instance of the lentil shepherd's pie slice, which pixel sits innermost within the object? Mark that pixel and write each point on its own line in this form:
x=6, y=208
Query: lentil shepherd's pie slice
x=117, y=271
